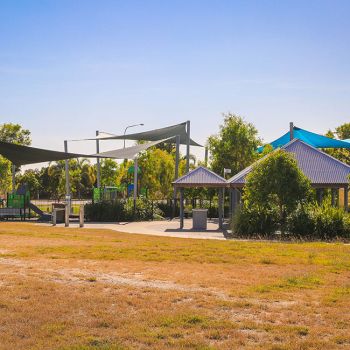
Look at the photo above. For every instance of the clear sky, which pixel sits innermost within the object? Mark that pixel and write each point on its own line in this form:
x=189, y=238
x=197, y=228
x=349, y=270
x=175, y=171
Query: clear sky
x=68, y=68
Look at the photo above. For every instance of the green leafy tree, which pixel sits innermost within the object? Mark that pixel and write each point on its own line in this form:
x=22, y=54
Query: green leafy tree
x=276, y=182
x=12, y=133
x=56, y=183
x=342, y=132
x=30, y=178
x=235, y=145
x=157, y=172
x=109, y=171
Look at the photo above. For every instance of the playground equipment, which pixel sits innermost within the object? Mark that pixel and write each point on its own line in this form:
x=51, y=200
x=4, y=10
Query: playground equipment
x=18, y=205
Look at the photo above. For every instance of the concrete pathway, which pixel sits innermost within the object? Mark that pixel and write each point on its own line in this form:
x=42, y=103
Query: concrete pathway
x=168, y=228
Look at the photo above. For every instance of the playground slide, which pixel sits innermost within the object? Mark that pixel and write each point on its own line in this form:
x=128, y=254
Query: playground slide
x=42, y=216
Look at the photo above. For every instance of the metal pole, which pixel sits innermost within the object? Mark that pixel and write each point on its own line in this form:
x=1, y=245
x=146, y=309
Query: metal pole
x=67, y=175
x=177, y=158
x=54, y=217
x=188, y=132
x=206, y=156
x=291, y=131
x=66, y=215
x=181, y=208
x=135, y=183
x=98, y=165
x=13, y=178
x=81, y=215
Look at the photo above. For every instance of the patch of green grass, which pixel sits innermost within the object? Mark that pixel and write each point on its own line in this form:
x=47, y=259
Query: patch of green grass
x=338, y=294
x=291, y=283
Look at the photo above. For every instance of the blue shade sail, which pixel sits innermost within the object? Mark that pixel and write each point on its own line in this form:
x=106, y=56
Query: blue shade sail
x=312, y=139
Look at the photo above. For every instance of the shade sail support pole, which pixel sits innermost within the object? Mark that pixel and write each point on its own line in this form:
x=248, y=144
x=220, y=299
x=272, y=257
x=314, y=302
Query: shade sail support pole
x=66, y=166
x=177, y=159
x=98, y=164
x=188, y=140
x=291, y=131
x=181, y=208
x=135, y=182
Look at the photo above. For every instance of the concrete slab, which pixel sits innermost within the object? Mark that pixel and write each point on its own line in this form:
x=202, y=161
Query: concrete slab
x=167, y=228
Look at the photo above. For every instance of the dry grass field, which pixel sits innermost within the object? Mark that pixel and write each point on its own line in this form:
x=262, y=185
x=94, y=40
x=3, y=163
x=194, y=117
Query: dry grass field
x=82, y=289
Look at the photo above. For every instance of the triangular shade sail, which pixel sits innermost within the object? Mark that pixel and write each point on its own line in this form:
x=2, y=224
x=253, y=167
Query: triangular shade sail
x=22, y=155
x=128, y=152
x=315, y=140
x=168, y=132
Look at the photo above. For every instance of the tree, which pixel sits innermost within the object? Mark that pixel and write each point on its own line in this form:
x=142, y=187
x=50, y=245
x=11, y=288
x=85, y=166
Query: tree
x=157, y=172
x=276, y=182
x=12, y=133
x=56, y=179
x=109, y=170
x=30, y=178
x=342, y=132
x=235, y=146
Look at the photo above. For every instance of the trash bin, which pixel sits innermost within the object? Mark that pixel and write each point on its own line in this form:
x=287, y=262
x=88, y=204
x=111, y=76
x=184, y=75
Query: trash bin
x=61, y=208
x=199, y=218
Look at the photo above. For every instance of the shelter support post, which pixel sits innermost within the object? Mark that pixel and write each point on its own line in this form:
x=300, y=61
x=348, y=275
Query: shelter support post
x=13, y=178
x=181, y=208
x=66, y=165
x=177, y=159
x=220, y=207
x=346, y=198
x=98, y=164
x=188, y=132
x=233, y=200
x=135, y=182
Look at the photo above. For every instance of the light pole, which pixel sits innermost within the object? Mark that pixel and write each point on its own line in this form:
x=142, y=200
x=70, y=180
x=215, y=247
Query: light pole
x=131, y=126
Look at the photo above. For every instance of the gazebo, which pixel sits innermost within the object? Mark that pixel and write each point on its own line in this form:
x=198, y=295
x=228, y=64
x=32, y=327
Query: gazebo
x=323, y=170
x=201, y=177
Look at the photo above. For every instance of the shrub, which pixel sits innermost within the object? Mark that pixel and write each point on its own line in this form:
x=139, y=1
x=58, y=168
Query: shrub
x=310, y=221
x=330, y=222
x=166, y=209
x=120, y=210
x=251, y=222
x=301, y=221
x=105, y=211
x=145, y=209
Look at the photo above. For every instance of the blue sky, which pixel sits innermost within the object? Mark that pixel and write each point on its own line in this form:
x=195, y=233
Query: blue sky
x=68, y=68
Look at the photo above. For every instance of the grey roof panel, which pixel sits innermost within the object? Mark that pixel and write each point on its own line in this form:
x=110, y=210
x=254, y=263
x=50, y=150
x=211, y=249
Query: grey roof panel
x=200, y=176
